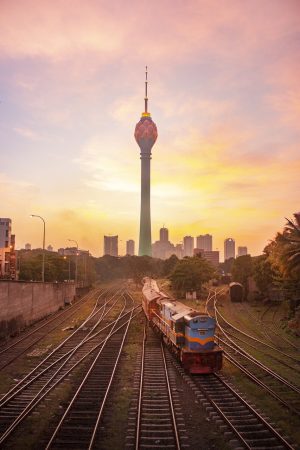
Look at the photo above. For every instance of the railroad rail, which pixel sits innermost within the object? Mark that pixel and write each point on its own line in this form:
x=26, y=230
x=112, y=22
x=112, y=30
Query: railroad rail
x=270, y=330
x=86, y=407
x=18, y=346
x=71, y=342
x=156, y=420
x=244, y=426
x=18, y=403
x=285, y=392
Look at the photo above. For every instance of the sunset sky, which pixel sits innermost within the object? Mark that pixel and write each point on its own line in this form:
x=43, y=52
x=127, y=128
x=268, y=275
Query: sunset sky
x=224, y=92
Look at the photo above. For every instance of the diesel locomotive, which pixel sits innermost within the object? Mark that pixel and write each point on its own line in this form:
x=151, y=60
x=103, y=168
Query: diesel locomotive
x=187, y=332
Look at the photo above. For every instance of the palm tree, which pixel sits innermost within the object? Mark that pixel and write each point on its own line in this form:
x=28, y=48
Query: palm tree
x=291, y=247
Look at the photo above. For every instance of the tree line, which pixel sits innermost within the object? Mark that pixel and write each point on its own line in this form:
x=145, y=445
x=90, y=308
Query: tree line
x=276, y=272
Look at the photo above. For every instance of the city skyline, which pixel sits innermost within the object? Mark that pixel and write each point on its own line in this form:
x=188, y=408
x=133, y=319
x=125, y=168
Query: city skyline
x=71, y=90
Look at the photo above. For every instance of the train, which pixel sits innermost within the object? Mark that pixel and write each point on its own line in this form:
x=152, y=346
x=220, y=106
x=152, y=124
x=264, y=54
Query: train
x=188, y=333
x=236, y=292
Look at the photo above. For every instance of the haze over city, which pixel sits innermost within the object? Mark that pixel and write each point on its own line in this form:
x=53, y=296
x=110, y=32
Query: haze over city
x=223, y=91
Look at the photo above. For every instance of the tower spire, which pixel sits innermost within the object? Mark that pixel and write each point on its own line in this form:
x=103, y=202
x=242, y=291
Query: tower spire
x=146, y=91
x=146, y=113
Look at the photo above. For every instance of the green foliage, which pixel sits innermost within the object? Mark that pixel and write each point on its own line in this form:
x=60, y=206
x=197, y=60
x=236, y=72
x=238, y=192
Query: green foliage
x=169, y=264
x=242, y=270
x=226, y=266
x=290, y=241
x=57, y=268
x=264, y=273
x=190, y=273
x=135, y=267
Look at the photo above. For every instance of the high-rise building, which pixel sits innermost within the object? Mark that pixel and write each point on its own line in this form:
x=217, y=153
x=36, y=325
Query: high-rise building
x=163, y=248
x=242, y=251
x=179, y=251
x=28, y=246
x=188, y=246
x=212, y=256
x=5, y=232
x=130, y=247
x=145, y=135
x=204, y=241
x=50, y=248
x=111, y=245
x=229, y=248
x=163, y=234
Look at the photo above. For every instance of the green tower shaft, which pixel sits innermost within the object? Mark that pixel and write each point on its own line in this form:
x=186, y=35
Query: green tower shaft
x=145, y=215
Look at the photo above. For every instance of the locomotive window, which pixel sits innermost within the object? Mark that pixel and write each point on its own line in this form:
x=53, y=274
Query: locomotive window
x=203, y=319
x=195, y=320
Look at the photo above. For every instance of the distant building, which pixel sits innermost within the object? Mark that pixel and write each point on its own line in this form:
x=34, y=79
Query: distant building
x=198, y=251
x=130, y=247
x=111, y=245
x=229, y=248
x=72, y=251
x=7, y=250
x=164, y=235
x=242, y=251
x=179, y=251
x=163, y=248
x=28, y=246
x=205, y=242
x=5, y=232
x=188, y=246
x=213, y=257
x=50, y=248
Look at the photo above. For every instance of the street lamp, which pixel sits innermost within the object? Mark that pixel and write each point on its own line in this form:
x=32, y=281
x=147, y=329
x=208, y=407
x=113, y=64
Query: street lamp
x=65, y=258
x=72, y=240
x=43, y=263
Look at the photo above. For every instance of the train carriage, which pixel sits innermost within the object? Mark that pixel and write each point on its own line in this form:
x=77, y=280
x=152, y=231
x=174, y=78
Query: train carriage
x=236, y=291
x=188, y=333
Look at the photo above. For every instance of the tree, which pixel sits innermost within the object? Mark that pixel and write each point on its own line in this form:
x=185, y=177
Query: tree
x=291, y=249
x=169, y=264
x=226, y=266
x=263, y=273
x=241, y=271
x=190, y=273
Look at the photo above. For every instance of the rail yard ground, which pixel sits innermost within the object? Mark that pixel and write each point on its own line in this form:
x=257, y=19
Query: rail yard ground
x=201, y=430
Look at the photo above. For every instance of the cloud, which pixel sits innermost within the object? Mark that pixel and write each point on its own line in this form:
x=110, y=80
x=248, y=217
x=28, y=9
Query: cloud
x=27, y=133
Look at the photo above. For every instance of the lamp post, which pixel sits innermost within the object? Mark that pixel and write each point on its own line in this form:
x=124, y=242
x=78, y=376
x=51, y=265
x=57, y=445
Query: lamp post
x=43, y=262
x=69, y=259
x=76, y=267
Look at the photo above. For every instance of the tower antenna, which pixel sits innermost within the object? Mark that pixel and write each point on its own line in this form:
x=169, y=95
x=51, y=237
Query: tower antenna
x=146, y=91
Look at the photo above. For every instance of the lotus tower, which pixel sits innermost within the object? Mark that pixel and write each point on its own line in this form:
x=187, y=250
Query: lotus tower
x=145, y=135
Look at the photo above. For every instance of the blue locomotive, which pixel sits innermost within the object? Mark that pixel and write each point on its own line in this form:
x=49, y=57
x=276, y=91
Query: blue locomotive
x=186, y=331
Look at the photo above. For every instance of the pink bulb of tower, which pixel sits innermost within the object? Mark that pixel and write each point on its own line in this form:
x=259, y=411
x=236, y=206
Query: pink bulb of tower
x=145, y=133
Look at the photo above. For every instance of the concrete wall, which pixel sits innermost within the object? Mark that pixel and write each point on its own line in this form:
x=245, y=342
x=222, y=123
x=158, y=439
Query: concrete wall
x=23, y=303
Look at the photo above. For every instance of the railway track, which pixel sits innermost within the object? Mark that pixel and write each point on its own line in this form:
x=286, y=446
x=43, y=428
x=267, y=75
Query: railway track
x=285, y=392
x=243, y=426
x=76, y=352
x=9, y=352
x=155, y=417
x=271, y=329
x=79, y=425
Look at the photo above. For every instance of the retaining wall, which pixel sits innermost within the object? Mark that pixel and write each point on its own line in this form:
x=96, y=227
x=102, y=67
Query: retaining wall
x=22, y=303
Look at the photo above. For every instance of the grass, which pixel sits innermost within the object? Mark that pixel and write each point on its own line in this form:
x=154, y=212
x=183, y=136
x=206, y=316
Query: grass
x=32, y=432
x=24, y=364
x=115, y=427
x=284, y=419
